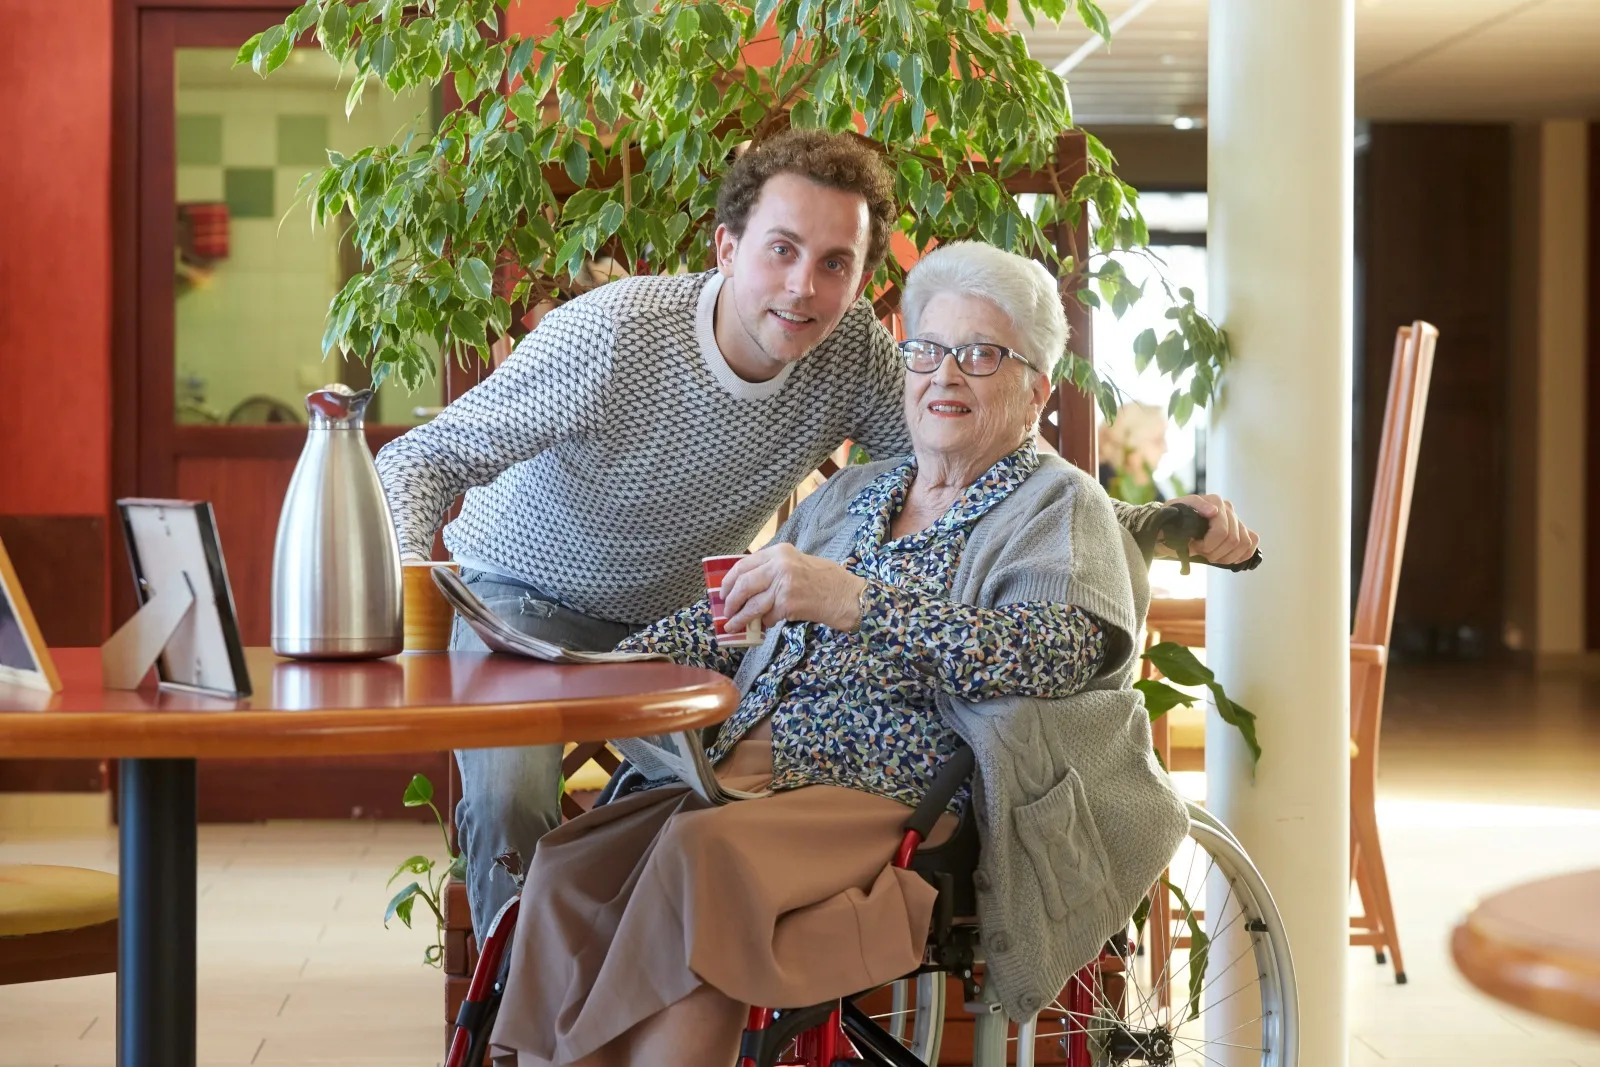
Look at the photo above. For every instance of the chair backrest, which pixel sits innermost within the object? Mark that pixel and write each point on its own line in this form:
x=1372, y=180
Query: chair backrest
x=1396, y=475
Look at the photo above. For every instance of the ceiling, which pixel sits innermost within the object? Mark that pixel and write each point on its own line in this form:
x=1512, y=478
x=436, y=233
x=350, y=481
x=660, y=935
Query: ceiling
x=1415, y=59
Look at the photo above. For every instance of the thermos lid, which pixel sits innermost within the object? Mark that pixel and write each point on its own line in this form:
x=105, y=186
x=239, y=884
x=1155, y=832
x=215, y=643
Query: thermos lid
x=337, y=406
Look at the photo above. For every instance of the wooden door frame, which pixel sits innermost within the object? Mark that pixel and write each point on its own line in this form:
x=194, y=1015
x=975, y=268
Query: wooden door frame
x=1592, y=475
x=146, y=443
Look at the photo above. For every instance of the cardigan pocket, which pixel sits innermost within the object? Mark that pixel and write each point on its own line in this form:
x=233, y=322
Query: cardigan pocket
x=1064, y=847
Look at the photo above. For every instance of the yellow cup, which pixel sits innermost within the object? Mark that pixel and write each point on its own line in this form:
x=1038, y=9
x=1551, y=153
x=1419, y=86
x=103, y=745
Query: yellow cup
x=428, y=616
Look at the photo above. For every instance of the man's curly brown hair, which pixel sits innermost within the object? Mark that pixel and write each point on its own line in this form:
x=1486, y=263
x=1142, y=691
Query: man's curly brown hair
x=835, y=160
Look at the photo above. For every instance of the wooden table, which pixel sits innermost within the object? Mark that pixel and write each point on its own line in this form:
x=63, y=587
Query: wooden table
x=413, y=703
x=1537, y=946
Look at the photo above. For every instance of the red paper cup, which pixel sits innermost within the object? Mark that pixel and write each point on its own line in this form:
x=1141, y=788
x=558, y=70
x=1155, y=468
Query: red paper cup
x=717, y=568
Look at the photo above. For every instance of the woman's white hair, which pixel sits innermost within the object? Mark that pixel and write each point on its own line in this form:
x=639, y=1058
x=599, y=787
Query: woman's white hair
x=1018, y=286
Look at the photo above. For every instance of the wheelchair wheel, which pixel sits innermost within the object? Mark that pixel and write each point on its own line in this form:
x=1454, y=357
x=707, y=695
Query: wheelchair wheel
x=1204, y=980
x=1212, y=987
x=915, y=1017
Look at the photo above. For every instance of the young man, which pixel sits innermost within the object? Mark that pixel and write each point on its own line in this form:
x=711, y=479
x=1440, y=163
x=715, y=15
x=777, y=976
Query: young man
x=656, y=420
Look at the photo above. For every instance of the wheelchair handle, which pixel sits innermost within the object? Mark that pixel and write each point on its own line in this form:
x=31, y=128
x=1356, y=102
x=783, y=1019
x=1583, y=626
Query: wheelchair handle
x=1178, y=525
x=946, y=784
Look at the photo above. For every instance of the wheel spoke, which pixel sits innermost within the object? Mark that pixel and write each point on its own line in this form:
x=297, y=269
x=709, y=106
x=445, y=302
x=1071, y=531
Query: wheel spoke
x=1192, y=1001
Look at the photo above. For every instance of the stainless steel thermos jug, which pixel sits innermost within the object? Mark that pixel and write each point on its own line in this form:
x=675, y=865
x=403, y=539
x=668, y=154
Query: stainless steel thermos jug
x=336, y=568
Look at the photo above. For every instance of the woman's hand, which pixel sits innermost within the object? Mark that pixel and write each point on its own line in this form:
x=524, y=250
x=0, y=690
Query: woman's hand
x=781, y=582
x=1227, y=540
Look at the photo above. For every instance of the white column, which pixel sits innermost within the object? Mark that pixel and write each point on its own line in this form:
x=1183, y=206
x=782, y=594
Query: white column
x=1281, y=118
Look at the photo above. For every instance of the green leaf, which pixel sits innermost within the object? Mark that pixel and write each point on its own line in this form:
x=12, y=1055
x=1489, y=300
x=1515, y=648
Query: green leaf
x=458, y=866
x=1182, y=405
x=1199, y=950
x=686, y=26
x=520, y=57
x=419, y=792
x=575, y=157
x=382, y=55
x=1160, y=698
x=272, y=48
x=477, y=277
x=1169, y=353
x=763, y=13
x=525, y=105
x=247, y=51
x=1179, y=664
x=414, y=865
x=400, y=904
x=609, y=221
x=1237, y=716
x=911, y=75
x=1091, y=15
x=1144, y=347
x=466, y=327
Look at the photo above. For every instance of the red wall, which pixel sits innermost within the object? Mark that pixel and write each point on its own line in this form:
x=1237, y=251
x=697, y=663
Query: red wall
x=55, y=258
x=55, y=251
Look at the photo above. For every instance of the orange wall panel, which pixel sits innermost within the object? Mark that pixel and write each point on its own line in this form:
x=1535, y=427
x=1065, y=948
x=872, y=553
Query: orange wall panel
x=55, y=258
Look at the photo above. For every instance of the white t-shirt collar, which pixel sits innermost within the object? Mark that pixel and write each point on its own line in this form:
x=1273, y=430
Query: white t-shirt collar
x=705, y=321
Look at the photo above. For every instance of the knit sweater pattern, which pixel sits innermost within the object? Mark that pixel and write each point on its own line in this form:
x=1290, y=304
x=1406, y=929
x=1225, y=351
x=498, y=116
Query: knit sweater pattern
x=1076, y=817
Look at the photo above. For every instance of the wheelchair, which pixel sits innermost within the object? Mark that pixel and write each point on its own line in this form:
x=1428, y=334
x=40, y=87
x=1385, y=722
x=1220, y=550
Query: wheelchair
x=1200, y=976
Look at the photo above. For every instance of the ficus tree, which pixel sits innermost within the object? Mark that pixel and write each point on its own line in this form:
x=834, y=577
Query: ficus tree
x=607, y=138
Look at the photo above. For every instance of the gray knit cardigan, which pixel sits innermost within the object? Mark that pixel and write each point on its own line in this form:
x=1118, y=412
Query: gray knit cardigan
x=1076, y=817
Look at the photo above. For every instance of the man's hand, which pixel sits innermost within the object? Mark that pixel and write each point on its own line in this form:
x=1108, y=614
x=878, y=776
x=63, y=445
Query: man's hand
x=781, y=582
x=1227, y=540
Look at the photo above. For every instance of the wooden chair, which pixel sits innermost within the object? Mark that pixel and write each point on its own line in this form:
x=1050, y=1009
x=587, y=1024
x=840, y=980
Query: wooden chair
x=56, y=922
x=1181, y=744
x=1369, y=640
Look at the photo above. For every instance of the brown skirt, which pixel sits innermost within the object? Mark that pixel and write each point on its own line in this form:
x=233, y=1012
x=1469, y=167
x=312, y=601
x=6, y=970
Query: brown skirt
x=780, y=902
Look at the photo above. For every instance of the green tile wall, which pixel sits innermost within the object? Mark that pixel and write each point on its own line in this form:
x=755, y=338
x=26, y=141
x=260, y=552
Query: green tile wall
x=200, y=139
x=302, y=140
x=248, y=191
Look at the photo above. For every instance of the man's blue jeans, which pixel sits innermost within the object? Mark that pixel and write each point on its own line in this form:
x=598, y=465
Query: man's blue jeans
x=510, y=797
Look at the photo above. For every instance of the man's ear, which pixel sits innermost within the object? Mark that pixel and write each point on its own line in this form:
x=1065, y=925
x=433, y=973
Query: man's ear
x=726, y=243
x=866, y=279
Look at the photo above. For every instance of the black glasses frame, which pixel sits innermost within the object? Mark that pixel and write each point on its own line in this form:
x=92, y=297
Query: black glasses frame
x=964, y=356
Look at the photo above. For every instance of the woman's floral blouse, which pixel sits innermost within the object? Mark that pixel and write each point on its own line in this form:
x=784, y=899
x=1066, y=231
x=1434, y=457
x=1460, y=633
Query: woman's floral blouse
x=858, y=709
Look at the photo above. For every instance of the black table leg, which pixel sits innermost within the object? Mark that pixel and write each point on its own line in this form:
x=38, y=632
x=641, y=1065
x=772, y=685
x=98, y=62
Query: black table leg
x=155, y=952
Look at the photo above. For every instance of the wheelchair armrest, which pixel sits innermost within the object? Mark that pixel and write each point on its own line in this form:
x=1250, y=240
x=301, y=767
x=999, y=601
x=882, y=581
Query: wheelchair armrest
x=946, y=784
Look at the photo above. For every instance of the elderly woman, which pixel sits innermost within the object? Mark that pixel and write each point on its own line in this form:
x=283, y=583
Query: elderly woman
x=974, y=591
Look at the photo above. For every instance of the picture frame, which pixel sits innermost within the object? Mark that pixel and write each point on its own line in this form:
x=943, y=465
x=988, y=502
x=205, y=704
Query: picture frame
x=24, y=659
x=173, y=546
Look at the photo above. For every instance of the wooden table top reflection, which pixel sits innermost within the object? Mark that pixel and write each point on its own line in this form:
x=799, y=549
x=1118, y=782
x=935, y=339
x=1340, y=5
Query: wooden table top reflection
x=410, y=703
x=1537, y=946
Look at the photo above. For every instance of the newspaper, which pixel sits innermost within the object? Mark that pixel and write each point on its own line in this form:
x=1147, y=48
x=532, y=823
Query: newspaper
x=680, y=755
x=501, y=636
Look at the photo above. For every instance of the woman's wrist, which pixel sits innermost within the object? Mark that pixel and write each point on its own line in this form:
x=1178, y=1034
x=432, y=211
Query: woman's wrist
x=852, y=614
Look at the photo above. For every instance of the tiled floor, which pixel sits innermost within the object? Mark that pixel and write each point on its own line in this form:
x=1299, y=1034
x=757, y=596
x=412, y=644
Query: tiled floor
x=1489, y=778
x=295, y=966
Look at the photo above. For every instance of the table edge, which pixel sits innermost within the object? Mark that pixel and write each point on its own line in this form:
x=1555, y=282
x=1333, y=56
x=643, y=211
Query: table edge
x=426, y=728
x=1553, y=985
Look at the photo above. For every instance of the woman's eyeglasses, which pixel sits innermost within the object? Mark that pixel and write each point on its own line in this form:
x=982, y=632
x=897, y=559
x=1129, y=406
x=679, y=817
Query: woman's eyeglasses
x=975, y=360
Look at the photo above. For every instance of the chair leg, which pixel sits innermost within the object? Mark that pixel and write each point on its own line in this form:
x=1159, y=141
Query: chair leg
x=1364, y=822
x=1369, y=920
